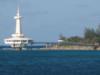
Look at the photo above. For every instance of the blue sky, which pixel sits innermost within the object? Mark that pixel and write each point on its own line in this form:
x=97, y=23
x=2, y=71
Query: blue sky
x=44, y=20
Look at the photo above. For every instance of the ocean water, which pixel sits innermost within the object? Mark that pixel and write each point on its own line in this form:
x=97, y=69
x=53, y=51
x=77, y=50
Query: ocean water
x=48, y=62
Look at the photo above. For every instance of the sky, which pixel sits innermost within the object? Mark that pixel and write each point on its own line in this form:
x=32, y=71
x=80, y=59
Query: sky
x=45, y=20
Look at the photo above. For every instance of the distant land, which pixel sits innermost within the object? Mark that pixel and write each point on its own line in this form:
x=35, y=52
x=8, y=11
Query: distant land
x=90, y=41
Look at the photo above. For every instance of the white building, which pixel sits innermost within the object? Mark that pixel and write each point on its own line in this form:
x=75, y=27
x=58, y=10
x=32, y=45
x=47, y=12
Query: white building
x=18, y=40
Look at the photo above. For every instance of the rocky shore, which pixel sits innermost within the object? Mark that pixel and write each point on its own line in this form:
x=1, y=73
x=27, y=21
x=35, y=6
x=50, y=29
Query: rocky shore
x=72, y=48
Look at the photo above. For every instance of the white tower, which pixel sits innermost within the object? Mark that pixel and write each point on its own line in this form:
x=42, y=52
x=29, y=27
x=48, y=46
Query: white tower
x=18, y=22
x=18, y=32
x=18, y=40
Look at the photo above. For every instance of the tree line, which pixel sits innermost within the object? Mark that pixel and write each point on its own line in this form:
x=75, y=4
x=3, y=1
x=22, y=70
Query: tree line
x=90, y=36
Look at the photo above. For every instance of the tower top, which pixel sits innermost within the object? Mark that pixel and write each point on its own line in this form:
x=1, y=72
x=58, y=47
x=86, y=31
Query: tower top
x=18, y=22
x=18, y=12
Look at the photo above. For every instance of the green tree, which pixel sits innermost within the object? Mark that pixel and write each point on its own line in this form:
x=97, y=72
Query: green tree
x=61, y=37
x=98, y=34
x=90, y=35
x=98, y=30
x=75, y=39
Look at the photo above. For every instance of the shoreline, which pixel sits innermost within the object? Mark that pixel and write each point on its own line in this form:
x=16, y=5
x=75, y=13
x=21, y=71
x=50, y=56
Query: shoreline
x=71, y=48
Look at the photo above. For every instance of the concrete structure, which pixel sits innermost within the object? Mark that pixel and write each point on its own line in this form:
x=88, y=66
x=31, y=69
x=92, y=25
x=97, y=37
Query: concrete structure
x=18, y=40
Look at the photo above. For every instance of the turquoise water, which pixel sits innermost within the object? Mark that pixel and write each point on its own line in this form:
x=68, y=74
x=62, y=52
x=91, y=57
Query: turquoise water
x=50, y=62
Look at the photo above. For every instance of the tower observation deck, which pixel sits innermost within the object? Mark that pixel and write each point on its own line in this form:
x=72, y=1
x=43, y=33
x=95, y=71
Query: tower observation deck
x=18, y=40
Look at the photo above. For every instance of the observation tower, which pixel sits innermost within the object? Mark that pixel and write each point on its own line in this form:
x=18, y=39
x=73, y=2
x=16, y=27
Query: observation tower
x=18, y=40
